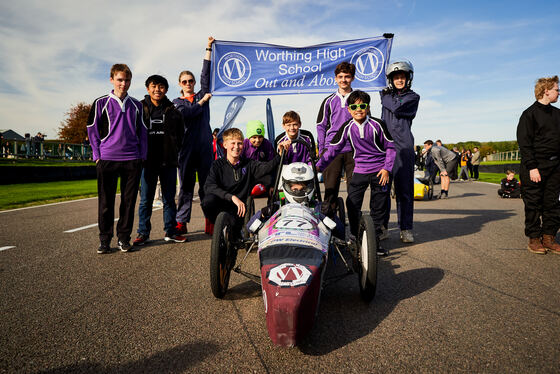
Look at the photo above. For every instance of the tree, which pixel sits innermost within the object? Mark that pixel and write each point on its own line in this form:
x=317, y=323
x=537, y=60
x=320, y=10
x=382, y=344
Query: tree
x=74, y=127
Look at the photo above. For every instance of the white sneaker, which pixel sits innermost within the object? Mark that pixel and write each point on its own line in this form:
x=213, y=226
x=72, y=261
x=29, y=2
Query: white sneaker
x=157, y=204
x=407, y=236
x=384, y=233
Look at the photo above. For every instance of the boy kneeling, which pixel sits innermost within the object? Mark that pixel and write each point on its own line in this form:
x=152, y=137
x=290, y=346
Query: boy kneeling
x=231, y=178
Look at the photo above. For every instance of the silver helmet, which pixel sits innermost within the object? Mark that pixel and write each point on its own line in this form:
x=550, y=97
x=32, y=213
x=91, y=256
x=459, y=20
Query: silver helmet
x=298, y=182
x=404, y=66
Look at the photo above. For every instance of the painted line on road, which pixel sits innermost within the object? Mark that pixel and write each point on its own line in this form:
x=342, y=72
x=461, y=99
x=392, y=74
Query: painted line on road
x=44, y=205
x=94, y=225
x=7, y=247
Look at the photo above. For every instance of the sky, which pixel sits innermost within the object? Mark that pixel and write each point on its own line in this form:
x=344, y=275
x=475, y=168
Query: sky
x=475, y=62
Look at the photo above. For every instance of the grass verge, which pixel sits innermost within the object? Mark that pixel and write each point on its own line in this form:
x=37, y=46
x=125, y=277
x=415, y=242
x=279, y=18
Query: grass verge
x=28, y=194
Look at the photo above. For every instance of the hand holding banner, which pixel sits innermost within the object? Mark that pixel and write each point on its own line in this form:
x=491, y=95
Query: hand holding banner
x=241, y=68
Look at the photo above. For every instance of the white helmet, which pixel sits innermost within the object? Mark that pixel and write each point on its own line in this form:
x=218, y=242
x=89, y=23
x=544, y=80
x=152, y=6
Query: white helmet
x=298, y=182
x=404, y=66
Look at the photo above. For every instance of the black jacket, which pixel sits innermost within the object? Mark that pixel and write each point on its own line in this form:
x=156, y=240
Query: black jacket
x=538, y=136
x=226, y=180
x=165, y=152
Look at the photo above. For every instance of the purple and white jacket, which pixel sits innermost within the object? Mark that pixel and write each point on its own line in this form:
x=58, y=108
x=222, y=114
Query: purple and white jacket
x=333, y=113
x=116, y=129
x=371, y=143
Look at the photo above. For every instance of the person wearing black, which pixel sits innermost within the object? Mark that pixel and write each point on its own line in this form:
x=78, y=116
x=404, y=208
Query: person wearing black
x=165, y=136
x=538, y=136
x=509, y=186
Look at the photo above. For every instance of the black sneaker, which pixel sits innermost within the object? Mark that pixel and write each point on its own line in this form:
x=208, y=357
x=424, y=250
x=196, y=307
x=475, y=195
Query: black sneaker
x=141, y=239
x=175, y=238
x=124, y=245
x=103, y=249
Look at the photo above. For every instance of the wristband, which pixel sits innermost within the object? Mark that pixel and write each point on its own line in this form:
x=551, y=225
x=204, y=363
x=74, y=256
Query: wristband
x=209, y=49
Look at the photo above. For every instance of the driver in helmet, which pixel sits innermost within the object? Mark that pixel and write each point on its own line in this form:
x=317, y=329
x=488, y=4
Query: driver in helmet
x=399, y=106
x=298, y=183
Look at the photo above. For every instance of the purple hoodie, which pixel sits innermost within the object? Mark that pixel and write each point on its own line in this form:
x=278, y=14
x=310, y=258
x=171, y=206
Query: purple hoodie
x=371, y=142
x=265, y=152
x=116, y=129
x=333, y=113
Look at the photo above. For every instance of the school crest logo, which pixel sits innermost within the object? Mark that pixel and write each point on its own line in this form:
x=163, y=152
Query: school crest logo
x=369, y=63
x=234, y=69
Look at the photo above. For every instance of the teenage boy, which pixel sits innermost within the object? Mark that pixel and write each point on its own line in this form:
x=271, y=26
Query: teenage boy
x=446, y=161
x=399, y=106
x=538, y=136
x=118, y=139
x=291, y=123
x=509, y=186
x=332, y=114
x=165, y=135
x=231, y=178
x=374, y=155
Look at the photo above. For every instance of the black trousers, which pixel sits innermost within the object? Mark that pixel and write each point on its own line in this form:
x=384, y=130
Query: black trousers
x=212, y=205
x=108, y=173
x=333, y=174
x=541, y=201
x=377, y=200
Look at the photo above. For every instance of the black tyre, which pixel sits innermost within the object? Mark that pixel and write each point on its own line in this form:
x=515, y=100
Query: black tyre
x=430, y=189
x=341, y=210
x=249, y=212
x=367, y=257
x=222, y=255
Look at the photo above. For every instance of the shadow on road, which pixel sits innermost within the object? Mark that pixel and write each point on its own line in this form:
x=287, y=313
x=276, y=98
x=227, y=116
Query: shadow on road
x=174, y=360
x=245, y=290
x=456, y=223
x=343, y=317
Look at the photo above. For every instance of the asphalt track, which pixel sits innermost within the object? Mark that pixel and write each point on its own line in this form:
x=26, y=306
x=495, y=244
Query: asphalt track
x=466, y=297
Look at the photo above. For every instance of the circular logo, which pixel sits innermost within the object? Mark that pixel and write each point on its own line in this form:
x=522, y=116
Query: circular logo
x=369, y=63
x=234, y=69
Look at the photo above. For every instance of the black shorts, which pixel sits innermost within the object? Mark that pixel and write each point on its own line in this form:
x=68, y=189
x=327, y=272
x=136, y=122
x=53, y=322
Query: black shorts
x=451, y=168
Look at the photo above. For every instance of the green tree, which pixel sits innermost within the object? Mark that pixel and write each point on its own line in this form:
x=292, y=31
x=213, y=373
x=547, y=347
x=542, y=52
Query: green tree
x=73, y=129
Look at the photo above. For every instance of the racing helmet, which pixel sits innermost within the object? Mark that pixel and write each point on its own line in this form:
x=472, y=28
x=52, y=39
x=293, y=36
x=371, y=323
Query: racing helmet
x=298, y=182
x=404, y=66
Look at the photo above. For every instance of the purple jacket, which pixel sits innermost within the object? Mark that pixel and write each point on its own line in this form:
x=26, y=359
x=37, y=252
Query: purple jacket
x=333, y=113
x=265, y=152
x=399, y=109
x=116, y=129
x=371, y=143
x=297, y=152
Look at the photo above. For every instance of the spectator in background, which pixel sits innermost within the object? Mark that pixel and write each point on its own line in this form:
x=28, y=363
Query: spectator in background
x=475, y=160
x=464, y=173
x=28, y=145
x=39, y=138
x=195, y=155
x=215, y=143
x=538, y=136
x=469, y=163
x=509, y=186
x=439, y=143
x=446, y=161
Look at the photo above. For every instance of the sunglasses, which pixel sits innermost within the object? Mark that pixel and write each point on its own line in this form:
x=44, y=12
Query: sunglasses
x=187, y=81
x=362, y=106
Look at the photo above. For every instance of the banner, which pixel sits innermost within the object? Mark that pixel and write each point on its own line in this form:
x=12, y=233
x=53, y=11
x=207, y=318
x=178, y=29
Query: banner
x=240, y=68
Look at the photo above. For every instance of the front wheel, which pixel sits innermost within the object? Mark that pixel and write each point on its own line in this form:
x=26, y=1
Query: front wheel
x=430, y=189
x=222, y=254
x=367, y=257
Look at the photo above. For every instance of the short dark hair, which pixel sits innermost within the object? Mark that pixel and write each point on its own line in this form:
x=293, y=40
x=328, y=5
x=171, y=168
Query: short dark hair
x=429, y=142
x=345, y=67
x=358, y=95
x=157, y=79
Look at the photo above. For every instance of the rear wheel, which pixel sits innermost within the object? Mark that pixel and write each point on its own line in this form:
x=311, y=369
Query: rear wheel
x=222, y=255
x=367, y=257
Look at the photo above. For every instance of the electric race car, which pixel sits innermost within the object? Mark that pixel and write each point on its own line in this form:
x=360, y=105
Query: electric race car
x=294, y=241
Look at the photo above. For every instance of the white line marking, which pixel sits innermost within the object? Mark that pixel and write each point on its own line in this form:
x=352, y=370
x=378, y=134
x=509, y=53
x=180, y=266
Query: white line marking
x=94, y=225
x=40, y=206
x=7, y=247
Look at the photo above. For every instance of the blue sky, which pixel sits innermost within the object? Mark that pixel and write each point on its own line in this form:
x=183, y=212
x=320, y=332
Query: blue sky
x=475, y=62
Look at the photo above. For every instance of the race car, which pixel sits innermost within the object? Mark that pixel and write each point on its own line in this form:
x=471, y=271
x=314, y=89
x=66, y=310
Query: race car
x=294, y=241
